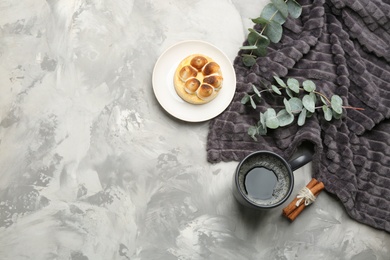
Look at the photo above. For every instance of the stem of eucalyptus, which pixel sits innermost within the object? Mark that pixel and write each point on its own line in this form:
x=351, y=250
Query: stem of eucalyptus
x=265, y=26
x=271, y=19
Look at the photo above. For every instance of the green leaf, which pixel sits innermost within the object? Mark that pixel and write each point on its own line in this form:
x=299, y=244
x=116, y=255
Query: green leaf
x=252, y=132
x=302, y=117
x=252, y=37
x=281, y=6
x=274, y=31
x=249, y=47
x=270, y=11
x=287, y=106
x=336, y=104
x=261, y=130
x=261, y=51
x=293, y=84
x=335, y=115
x=260, y=20
x=261, y=127
x=289, y=93
x=285, y=118
x=313, y=96
x=309, y=85
x=308, y=103
x=276, y=89
x=280, y=82
x=262, y=120
x=296, y=105
x=327, y=112
x=248, y=60
x=256, y=38
x=324, y=101
x=253, y=104
x=294, y=8
x=257, y=92
x=245, y=99
x=271, y=119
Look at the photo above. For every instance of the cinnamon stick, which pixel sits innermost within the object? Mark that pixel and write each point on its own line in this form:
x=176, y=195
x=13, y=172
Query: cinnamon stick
x=292, y=205
x=315, y=190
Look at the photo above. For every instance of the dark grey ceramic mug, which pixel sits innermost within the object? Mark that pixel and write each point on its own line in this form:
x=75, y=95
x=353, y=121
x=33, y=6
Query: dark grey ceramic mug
x=265, y=180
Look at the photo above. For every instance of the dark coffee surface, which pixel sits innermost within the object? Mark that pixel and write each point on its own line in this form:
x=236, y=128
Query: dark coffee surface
x=260, y=183
x=277, y=167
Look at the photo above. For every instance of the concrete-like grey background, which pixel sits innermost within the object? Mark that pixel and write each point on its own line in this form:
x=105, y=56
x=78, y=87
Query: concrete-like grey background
x=91, y=167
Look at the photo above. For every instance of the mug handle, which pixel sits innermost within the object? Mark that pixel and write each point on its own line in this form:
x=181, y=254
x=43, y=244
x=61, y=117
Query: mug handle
x=302, y=156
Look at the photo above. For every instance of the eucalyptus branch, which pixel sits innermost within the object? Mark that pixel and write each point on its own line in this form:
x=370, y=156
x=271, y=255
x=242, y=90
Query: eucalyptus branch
x=322, y=96
x=263, y=29
x=271, y=19
x=302, y=101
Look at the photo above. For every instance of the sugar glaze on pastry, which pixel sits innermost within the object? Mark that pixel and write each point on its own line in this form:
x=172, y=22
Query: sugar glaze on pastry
x=198, y=79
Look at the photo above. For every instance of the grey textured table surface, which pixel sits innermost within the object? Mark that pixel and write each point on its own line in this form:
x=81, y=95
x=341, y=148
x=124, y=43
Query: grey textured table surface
x=93, y=168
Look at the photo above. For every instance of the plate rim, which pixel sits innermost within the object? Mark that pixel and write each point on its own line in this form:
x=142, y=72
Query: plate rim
x=222, y=107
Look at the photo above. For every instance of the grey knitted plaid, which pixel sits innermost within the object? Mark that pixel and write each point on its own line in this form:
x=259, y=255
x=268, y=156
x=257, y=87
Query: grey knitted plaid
x=344, y=47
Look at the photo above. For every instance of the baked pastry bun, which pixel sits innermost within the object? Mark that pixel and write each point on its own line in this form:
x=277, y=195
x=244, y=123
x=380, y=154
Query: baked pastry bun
x=198, y=79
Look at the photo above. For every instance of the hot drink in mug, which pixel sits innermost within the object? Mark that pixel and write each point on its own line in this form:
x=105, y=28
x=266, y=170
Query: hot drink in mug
x=265, y=180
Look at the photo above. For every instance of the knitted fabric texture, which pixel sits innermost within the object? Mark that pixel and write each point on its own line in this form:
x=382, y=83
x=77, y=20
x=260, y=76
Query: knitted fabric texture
x=344, y=47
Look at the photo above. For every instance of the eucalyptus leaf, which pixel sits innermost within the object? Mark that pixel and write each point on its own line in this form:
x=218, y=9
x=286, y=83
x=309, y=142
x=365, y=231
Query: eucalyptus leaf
x=257, y=92
x=245, y=99
x=274, y=31
x=309, y=85
x=272, y=123
x=324, y=101
x=335, y=115
x=285, y=118
x=287, y=106
x=262, y=120
x=294, y=8
x=261, y=127
x=328, y=114
x=260, y=20
x=252, y=132
x=265, y=114
x=280, y=82
x=289, y=93
x=302, y=117
x=296, y=105
x=253, y=104
x=313, y=96
x=276, y=89
x=293, y=84
x=261, y=51
x=308, y=103
x=256, y=38
x=336, y=104
x=261, y=130
x=248, y=60
x=281, y=6
x=253, y=38
x=271, y=120
x=270, y=11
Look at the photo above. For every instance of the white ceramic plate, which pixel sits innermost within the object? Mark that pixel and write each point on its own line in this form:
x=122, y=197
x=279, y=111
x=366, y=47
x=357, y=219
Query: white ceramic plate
x=164, y=89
